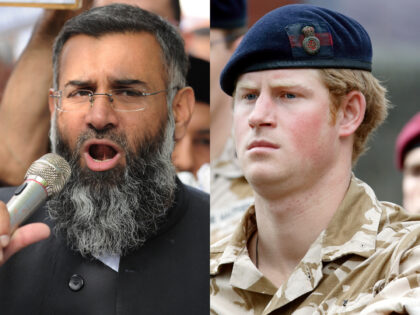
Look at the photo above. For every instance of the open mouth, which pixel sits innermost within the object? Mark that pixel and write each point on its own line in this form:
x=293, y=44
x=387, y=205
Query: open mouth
x=102, y=152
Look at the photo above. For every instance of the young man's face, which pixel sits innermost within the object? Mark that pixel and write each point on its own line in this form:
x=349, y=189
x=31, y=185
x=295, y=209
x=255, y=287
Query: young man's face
x=411, y=181
x=282, y=126
x=101, y=64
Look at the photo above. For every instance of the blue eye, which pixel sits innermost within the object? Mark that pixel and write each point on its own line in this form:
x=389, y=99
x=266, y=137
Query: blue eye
x=250, y=96
x=289, y=95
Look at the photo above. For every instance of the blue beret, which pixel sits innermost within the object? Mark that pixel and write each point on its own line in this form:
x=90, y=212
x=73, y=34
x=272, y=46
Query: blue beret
x=228, y=14
x=299, y=36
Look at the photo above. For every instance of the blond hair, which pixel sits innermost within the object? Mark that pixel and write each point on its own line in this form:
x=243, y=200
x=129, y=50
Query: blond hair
x=340, y=82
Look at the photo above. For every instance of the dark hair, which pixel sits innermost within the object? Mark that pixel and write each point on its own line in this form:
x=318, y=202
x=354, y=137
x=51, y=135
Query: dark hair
x=176, y=8
x=122, y=18
x=198, y=78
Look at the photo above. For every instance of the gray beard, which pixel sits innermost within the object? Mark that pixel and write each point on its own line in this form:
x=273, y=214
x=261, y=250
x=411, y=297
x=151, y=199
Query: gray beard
x=115, y=211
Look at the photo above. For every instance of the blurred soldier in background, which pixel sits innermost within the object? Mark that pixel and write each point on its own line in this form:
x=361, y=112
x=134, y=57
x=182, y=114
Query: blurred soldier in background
x=230, y=193
x=191, y=155
x=408, y=161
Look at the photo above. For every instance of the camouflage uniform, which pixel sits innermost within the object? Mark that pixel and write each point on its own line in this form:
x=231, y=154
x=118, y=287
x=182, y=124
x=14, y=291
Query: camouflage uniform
x=367, y=261
x=230, y=194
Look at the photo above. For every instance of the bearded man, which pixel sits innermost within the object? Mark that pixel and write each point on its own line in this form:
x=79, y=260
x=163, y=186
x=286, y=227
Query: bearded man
x=127, y=237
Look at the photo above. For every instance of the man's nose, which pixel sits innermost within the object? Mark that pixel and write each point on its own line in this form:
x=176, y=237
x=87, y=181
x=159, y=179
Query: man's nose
x=263, y=113
x=100, y=114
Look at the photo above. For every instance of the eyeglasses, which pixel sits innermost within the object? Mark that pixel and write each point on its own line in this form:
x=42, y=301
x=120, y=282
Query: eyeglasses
x=122, y=100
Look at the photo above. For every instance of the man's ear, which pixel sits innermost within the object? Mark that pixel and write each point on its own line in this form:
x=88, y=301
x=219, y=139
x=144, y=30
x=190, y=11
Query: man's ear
x=183, y=106
x=352, y=112
x=51, y=102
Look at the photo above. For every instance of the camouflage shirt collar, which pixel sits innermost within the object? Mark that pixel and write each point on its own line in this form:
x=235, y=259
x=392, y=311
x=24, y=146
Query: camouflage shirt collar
x=349, y=232
x=230, y=247
x=354, y=227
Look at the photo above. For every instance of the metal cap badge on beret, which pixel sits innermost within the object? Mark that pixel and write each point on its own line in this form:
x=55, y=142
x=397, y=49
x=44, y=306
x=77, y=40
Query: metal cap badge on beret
x=299, y=36
x=408, y=139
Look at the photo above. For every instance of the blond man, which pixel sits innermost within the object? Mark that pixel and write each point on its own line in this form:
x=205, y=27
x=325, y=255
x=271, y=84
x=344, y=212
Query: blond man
x=316, y=240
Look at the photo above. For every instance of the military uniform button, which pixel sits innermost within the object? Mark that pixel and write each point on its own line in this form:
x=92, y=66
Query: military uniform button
x=76, y=283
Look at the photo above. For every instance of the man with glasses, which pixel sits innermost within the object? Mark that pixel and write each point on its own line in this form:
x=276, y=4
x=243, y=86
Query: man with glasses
x=23, y=128
x=128, y=237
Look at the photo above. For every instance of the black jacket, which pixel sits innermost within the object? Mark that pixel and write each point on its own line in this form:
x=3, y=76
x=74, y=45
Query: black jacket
x=168, y=275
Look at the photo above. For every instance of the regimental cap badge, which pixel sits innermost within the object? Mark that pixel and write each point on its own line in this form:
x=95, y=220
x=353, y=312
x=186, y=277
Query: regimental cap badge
x=310, y=43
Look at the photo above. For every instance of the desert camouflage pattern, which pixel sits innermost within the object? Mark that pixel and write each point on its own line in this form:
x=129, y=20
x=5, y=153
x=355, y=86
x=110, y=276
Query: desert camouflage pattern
x=230, y=194
x=367, y=261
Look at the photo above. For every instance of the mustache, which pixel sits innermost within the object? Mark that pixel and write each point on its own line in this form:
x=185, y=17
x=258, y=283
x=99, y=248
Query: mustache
x=110, y=134
x=74, y=156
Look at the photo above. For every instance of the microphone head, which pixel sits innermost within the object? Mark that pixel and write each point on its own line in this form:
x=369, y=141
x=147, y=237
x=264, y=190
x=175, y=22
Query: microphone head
x=52, y=171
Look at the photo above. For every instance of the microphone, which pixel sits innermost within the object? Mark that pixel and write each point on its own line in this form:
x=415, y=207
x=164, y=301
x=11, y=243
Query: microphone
x=44, y=178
